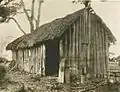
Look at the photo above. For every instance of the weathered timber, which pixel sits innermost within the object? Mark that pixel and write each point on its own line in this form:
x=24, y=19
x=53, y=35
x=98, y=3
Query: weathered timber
x=43, y=61
x=79, y=46
x=14, y=55
x=39, y=60
x=106, y=51
x=103, y=51
x=67, y=71
x=20, y=60
x=61, y=64
x=100, y=62
x=32, y=60
x=26, y=60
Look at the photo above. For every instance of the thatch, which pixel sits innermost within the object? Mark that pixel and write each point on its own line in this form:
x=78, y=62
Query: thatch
x=52, y=30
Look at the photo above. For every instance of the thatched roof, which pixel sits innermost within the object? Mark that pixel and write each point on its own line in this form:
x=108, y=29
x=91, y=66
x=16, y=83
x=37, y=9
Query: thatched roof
x=52, y=30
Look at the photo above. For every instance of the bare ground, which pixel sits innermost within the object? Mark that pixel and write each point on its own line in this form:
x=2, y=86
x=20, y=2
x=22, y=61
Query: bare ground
x=24, y=82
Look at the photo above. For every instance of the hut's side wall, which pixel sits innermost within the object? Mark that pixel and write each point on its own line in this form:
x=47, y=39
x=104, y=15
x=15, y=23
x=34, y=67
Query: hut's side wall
x=14, y=57
x=31, y=60
x=84, y=50
x=37, y=60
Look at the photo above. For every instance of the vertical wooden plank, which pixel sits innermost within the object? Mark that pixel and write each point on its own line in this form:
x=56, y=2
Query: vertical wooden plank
x=92, y=47
x=92, y=51
x=67, y=72
x=82, y=48
x=95, y=52
x=73, y=62
x=71, y=47
x=36, y=60
x=79, y=45
x=23, y=59
x=39, y=60
x=43, y=61
x=75, y=44
x=80, y=37
x=88, y=41
x=20, y=59
x=106, y=51
x=61, y=64
x=42, y=69
x=13, y=55
x=44, y=50
x=32, y=60
x=17, y=57
x=103, y=50
x=100, y=48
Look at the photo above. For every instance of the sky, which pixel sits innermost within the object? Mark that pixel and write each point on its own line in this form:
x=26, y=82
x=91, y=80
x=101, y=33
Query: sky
x=52, y=9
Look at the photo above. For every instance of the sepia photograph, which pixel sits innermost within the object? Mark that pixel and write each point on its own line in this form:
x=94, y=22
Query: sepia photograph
x=59, y=46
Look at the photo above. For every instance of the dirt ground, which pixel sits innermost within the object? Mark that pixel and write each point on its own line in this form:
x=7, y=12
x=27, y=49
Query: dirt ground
x=24, y=82
x=16, y=81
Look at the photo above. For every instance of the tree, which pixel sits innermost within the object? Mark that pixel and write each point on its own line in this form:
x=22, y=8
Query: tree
x=7, y=8
x=10, y=8
x=33, y=19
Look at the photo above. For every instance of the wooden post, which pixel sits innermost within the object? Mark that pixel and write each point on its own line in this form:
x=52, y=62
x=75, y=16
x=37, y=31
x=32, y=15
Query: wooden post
x=61, y=64
x=13, y=55
x=32, y=60
x=20, y=60
x=103, y=50
x=106, y=52
x=67, y=70
x=79, y=45
x=38, y=61
x=42, y=60
x=94, y=51
x=26, y=60
x=89, y=41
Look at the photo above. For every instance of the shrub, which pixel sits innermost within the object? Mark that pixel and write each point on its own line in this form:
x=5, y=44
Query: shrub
x=2, y=72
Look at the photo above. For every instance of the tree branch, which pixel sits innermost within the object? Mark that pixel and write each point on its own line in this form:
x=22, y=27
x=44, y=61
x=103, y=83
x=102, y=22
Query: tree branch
x=6, y=3
x=26, y=13
x=32, y=9
x=39, y=11
x=28, y=17
x=17, y=24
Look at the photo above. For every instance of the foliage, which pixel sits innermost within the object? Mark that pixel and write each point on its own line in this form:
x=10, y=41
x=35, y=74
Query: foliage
x=8, y=8
x=32, y=17
x=2, y=72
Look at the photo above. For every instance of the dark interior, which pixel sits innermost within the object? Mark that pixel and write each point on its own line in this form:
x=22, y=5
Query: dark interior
x=52, y=58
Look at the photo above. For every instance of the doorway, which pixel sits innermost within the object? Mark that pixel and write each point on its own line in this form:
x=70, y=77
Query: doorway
x=52, y=58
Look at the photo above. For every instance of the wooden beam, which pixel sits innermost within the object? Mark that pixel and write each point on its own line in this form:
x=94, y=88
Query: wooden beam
x=79, y=45
x=67, y=71
x=103, y=50
x=61, y=64
x=31, y=60
x=13, y=55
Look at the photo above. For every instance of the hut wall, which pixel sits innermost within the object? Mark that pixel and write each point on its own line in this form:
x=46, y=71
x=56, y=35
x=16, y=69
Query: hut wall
x=31, y=60
x=26, y=60
x=37, y=60
x=14, y=57
x=20, y=59
x=85, y=49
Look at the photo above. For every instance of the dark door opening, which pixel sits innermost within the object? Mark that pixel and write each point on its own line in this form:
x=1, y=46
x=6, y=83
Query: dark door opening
x=52, y=58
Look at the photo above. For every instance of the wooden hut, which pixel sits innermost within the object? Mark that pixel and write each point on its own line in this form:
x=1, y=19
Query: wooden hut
x=75, y=46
